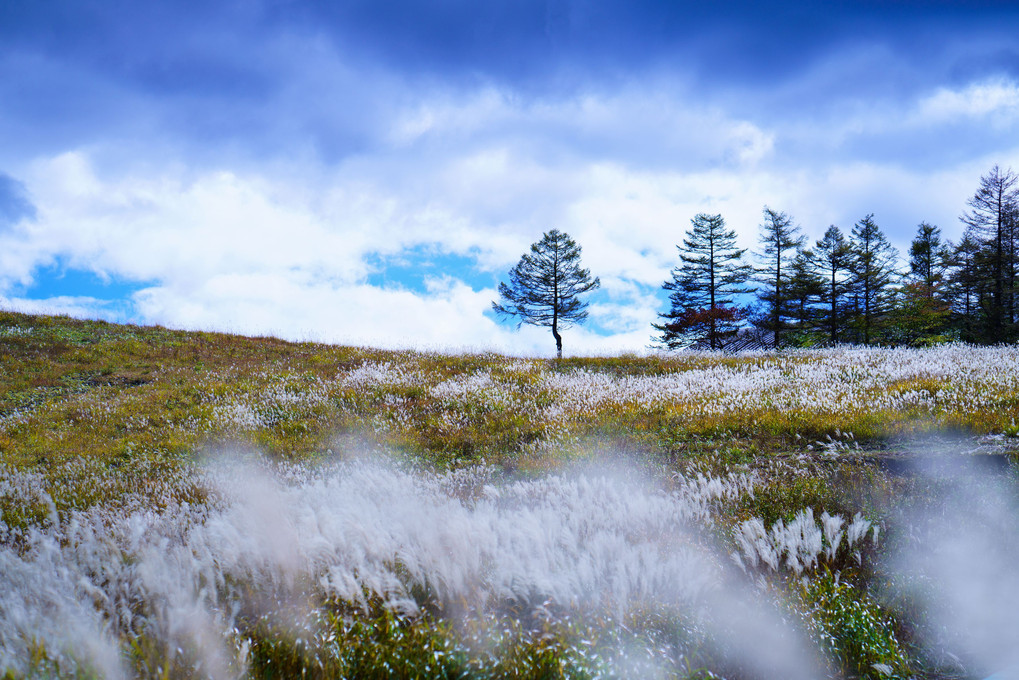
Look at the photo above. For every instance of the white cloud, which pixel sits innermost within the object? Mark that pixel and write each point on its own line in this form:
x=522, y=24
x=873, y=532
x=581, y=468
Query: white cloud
x=749, y=143
x=654, y=122
x=450, y=317
x=254, y=254
x=997, y=98
x=287, y=249
x=293, y=308
x=630, y=314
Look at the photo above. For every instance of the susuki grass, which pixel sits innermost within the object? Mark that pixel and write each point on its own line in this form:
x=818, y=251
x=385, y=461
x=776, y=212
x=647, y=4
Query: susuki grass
x=73, y=386
x=182, y=504
x=456, y=570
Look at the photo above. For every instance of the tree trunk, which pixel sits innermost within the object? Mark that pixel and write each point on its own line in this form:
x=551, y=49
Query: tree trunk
x=999, y=275
x=778, y=293
x=555, y=311
x=834, y=306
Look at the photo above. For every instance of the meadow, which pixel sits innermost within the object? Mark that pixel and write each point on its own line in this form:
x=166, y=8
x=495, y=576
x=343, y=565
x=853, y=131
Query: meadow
x=184, y=504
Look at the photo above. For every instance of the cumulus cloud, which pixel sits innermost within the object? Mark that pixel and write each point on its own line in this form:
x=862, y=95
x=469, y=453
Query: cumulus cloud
x=997, y=98
x=75, y=306
x=254, y=255
x=450, y=316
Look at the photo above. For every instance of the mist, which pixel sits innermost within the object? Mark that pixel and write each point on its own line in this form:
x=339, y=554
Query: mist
x=277, y=541
x=955, y=563
x=189, y=566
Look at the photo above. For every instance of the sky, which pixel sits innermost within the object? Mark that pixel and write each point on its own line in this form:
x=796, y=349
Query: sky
x=367, y=172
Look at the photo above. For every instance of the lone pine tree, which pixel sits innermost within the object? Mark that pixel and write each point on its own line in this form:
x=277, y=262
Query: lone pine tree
x=545, y=286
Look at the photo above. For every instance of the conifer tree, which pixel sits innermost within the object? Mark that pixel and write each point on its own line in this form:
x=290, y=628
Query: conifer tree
x=929, y=259
x=781, y=241
x=968, y=287
x=992, y=219
x=874, y=271
x=545, y=286
x=834, y=258
x=920, y=313
x=702, y=303
x=805, y=290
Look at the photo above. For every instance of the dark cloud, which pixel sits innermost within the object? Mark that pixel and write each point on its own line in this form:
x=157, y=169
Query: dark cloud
x=74, y=73
x=273, y=76
x=14, y=203
x=220, y=48
x=530, y=41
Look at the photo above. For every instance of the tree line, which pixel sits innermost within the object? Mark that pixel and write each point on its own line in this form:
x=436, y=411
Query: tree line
x=843, y=288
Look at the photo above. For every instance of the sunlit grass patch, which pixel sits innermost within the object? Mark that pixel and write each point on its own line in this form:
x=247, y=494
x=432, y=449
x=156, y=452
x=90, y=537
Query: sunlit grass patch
x=454, y=409
x=856, y=632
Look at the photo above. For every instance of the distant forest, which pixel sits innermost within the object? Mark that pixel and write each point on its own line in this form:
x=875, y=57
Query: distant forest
x=850, y=288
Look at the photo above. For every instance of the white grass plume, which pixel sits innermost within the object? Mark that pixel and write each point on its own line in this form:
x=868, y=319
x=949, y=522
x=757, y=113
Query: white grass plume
x=277, y=541
x=801, y=544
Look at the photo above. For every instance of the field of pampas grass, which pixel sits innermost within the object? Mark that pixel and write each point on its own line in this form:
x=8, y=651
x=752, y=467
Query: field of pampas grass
x=194, y=505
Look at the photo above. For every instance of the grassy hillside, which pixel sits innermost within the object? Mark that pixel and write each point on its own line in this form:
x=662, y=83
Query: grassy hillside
x=190, y=504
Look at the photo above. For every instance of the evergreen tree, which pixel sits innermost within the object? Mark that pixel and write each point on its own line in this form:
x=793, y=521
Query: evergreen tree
x=917, y=318
x=702, y=305
x=805, y=289
x=834, y=258
x=1011, y=269
x=921, y=311
x=992, y=219
x=873, y=272
x=969, y=291
x=780, y=240
x=545, y=285
x=929, y=260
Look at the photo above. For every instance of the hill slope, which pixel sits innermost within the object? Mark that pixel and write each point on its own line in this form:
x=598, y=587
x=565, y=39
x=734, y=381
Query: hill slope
x=72, y=387
x=422, y=508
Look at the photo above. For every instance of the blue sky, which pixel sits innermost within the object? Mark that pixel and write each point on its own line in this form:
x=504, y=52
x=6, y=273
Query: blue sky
x=367, y=172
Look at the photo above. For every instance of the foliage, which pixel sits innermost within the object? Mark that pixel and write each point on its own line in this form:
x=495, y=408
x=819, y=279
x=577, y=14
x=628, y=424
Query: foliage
x=805, y=290
x=852, y=290
x=545, y=286
x=919, y=318
x=929, y=259
x=699, y=323
x=992, y=220
x=711, y=275
x=776, y=274
x=857, y=633
x=873, y=273
x=834, y=258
